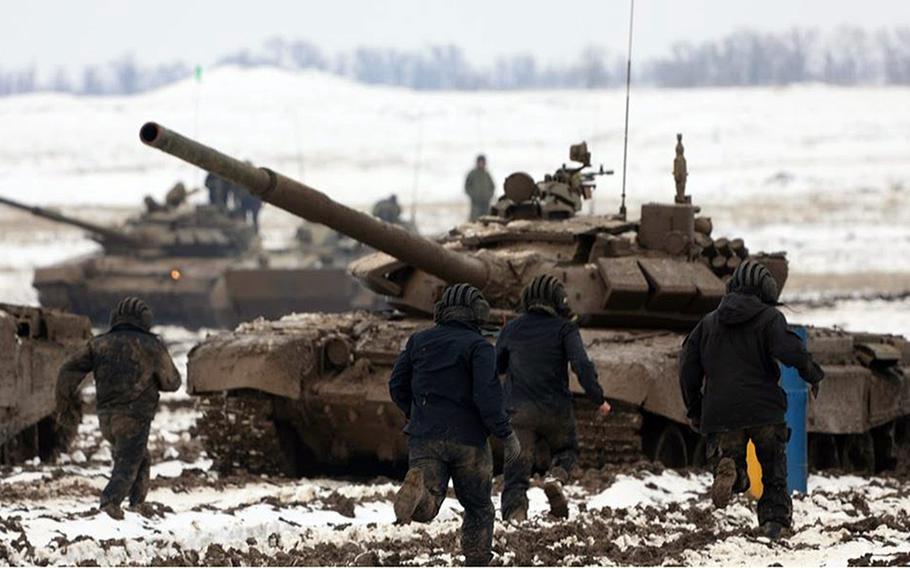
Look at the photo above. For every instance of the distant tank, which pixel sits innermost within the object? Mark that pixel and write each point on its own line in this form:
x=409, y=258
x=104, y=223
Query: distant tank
x=310, y=391
x=196, y=266
x=34, y=342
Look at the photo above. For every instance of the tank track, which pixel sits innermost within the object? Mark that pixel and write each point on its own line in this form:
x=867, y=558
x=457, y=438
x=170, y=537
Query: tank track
x=238, y=433
x=612, y=440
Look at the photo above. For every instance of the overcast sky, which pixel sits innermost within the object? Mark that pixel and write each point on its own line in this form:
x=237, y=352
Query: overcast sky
x=75, y=32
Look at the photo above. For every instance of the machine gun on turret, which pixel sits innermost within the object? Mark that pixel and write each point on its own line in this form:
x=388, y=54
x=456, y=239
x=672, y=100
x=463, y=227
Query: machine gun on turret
x=558, y=196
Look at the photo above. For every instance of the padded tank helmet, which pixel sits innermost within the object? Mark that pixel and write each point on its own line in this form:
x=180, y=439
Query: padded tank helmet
x=461, y=302
x=753, y=277
x=546, y=293
x=133, y=311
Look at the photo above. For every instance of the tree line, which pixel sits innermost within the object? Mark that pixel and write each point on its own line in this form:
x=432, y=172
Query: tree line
x=848, y=56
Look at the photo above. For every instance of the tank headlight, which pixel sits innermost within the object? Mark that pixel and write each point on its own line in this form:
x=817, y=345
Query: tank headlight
x=176, y=275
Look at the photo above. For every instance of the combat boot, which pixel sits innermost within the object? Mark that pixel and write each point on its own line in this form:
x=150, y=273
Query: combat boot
x=113, y=511
x=411, y=493
x=724, y=479
x=517, y=515
x=774, y=530
x=559, y=505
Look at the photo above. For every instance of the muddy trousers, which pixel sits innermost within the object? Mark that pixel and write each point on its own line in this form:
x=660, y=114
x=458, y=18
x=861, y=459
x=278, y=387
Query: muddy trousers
x=471, y=470
x=771, y=449
x=128, y=437
x=536, y=427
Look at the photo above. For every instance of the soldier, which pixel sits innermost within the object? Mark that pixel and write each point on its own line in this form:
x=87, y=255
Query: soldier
x=176, y=196
x=480, y=188
x=388, y=210
x=534, y=351
x=130, y=366
x=729, y=377
x=445, y=383
x=218, y=191
x=247, y=205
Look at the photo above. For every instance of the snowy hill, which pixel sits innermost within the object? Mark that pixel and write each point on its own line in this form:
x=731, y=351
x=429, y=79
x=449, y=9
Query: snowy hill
x=797, y=168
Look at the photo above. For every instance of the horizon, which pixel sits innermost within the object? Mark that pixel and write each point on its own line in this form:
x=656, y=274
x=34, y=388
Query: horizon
x=106, y=30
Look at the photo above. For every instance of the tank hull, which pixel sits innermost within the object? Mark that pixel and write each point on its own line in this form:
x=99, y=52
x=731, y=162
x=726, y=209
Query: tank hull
x=196, y=292
x=332, y=415
x=33, y=344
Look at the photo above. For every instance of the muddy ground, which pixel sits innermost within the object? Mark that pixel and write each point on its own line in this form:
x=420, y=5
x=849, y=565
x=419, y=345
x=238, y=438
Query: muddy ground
x=634, y=515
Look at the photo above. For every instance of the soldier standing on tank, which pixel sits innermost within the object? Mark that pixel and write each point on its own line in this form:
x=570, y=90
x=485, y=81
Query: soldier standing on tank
x=130, y=366
x=388, y=210
x=480, y=188
x=445, y=383
x=729, y=375
x=218, y=192
x=534, y=351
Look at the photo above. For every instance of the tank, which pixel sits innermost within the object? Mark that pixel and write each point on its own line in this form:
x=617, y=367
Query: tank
x=310, y=391
x=196, y=267
x=34, y=342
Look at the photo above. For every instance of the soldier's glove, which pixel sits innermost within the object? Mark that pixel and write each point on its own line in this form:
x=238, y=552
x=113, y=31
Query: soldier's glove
x=814, y=375
x=511, y=449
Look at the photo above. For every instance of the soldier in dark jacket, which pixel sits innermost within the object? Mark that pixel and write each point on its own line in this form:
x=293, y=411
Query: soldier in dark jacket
x=445, y=383
x=534, y=351
x=729, y=376
x=480, y=188
x=130, y=366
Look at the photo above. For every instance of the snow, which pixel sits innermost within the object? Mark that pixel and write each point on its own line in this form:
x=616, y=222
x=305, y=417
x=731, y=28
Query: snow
x=630, y=491
x=758, y=160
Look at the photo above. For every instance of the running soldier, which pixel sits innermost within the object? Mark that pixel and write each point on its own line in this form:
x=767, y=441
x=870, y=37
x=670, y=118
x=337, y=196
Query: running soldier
x=445, y=383
x=130, y=366
x=534, y=351
x=729, y=376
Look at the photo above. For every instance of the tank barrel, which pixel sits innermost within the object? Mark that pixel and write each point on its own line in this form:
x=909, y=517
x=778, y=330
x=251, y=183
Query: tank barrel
x=105, y=233
x=315, y=206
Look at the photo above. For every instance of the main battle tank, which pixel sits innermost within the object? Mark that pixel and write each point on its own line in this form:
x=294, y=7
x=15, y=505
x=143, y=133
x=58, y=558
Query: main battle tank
x=34, y=342
x=310, y=390
x=196, y=266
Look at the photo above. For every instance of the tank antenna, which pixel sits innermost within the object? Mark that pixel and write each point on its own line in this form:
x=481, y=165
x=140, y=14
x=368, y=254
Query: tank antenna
x=625, y=145
x=418, y=162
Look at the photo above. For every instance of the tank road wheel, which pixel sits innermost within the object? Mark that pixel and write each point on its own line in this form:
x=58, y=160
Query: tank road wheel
x=823, y=452
x=857, y=453
x=292, y=449
x=670, y=448
x=698, y=454
x=883, y=444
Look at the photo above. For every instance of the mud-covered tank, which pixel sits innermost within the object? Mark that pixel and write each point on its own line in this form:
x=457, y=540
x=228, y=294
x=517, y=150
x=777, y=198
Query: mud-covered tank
x=311, y=389
x=197, y=266
x=33, y=344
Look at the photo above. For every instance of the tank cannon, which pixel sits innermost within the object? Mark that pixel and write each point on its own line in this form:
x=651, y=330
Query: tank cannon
x=106, y=236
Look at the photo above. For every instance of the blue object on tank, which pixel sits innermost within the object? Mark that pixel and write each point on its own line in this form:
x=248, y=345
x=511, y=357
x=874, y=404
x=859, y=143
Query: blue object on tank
x=797, y=408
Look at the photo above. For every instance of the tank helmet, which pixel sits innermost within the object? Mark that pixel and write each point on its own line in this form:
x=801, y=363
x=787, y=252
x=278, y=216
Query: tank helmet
x=134, y=311
x=461, y=302
x=547, y=293
x=753, y=277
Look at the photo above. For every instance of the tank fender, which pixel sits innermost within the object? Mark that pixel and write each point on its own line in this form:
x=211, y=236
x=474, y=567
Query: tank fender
x=233, y=362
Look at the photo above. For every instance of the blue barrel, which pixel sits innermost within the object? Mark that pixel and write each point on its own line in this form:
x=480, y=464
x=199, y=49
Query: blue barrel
x=797, y=415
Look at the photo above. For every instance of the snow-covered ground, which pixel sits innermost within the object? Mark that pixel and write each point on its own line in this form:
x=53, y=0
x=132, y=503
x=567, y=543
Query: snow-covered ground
x=623, y=515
